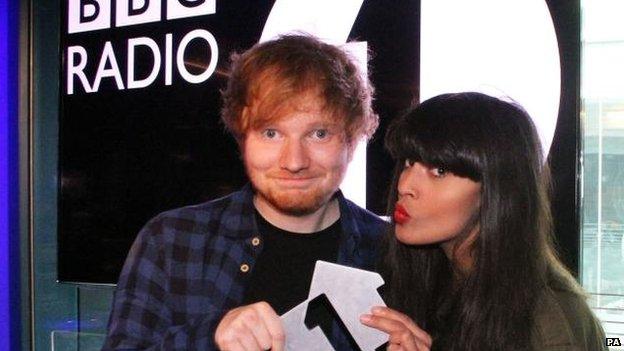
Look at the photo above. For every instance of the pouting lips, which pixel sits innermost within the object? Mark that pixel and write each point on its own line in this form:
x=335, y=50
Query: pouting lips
x=400, y=214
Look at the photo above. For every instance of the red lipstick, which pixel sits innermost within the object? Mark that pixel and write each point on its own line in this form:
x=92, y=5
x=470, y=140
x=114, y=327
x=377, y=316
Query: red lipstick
x=400, y=214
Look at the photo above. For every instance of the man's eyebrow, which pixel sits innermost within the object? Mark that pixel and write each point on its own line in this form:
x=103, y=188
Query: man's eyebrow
x=262, y=125
x=325, y=124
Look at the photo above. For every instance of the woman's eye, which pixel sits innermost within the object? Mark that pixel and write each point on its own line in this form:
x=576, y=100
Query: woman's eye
x=439, y=171
x=408, y=163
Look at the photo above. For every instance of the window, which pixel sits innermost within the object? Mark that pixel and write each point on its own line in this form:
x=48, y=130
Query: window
x=602, y=119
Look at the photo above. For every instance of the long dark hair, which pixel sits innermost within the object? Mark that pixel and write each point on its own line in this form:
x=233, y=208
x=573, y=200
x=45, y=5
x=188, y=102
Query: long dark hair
x=495, y=143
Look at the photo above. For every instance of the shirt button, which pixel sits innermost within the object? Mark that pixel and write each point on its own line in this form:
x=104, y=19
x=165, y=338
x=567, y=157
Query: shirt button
x=255, y=241
x=244, y=268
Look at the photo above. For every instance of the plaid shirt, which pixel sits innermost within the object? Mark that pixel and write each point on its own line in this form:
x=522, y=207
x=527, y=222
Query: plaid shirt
x=189, y=266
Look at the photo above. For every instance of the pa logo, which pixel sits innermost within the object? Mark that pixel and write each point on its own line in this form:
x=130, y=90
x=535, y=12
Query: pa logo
x=351, y=292
x=613, y=342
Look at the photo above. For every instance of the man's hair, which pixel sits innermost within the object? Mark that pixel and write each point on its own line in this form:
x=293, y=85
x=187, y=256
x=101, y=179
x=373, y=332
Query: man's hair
x=271, y=76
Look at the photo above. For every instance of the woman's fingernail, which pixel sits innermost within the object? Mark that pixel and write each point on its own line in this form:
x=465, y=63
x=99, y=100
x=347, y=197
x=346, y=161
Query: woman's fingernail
x=377, y=309
x=365, y=318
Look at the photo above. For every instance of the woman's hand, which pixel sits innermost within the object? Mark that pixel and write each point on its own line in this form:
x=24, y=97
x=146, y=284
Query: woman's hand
x=403, y=333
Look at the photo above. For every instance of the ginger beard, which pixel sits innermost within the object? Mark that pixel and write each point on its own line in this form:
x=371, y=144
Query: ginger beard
x=294, y=202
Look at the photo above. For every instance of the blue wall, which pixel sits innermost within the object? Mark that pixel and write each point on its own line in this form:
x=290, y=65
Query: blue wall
x=9, y=233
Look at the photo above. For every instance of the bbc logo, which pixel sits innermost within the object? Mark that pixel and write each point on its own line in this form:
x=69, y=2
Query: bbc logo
x=613, y=342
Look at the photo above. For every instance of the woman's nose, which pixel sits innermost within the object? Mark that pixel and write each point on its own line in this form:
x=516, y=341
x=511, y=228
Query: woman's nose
x=409, y=181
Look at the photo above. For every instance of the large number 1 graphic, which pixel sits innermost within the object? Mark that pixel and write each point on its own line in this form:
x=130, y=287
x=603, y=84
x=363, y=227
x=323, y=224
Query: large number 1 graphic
x=353, y=296
x=329, y=20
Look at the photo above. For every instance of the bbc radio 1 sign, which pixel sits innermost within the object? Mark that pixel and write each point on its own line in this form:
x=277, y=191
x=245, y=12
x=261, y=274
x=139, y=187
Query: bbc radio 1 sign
x=166, y=51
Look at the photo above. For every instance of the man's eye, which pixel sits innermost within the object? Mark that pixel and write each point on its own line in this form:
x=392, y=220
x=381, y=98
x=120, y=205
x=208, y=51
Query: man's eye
x=320, y=134
x=269, y=133
x=408, y=163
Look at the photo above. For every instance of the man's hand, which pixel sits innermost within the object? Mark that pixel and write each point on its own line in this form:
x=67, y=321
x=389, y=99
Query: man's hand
x=250, y=328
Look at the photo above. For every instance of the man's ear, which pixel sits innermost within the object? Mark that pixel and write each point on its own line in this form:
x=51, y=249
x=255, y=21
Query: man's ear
x=244, y=118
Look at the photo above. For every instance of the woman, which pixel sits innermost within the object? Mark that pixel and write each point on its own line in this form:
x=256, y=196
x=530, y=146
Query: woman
x=470, y=263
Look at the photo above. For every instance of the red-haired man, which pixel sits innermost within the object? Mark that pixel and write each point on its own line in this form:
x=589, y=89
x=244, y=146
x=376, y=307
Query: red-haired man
x=217, y=275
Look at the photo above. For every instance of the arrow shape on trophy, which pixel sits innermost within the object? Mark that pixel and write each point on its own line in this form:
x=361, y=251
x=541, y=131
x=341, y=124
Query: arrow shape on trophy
x=298, y=336
x=352, y=292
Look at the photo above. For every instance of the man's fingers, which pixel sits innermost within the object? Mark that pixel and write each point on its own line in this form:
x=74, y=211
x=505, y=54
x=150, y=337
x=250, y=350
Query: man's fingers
x=421, y=346
x=249, y=342
x=237, y=336
x=233, y=345
x=259, y=331
x=250, y=328
x=273, y=324
x=279, y=342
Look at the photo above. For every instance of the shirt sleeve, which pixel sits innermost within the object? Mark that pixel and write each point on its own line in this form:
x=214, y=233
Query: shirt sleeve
x=564, y=321
x=140, y=317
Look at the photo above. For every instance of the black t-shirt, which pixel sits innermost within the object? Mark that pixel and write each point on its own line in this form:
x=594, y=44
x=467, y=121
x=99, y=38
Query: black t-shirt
x=283, y=271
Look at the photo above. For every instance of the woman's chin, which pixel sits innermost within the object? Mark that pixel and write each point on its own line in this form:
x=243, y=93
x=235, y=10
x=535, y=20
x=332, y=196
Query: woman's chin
x=408, y=238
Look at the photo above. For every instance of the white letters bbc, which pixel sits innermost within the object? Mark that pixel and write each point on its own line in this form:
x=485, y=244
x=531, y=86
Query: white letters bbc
x=131, y=12
x=88, y=15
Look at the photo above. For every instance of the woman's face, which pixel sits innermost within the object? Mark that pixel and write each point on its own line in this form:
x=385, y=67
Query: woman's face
x=435, y=206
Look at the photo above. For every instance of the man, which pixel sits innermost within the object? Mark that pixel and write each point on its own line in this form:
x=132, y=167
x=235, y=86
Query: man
x=217, y=275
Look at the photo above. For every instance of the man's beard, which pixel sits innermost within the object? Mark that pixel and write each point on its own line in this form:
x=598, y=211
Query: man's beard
x=295, y=203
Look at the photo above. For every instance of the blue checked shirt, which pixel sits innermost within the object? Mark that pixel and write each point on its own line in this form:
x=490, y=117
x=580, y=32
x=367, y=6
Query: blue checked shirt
x=189, y=266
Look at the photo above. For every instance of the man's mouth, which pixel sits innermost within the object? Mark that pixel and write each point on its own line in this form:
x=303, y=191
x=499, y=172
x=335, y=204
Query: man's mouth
x=295, y=181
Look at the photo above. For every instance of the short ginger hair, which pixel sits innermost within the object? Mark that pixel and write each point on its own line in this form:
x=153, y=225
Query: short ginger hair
x=270, y=76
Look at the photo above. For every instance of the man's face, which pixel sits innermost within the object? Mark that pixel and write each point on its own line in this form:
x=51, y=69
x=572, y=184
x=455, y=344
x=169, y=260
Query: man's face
x=297, y=162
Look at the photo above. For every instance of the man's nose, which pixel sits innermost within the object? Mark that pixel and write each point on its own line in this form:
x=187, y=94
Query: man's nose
x=294, y=156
